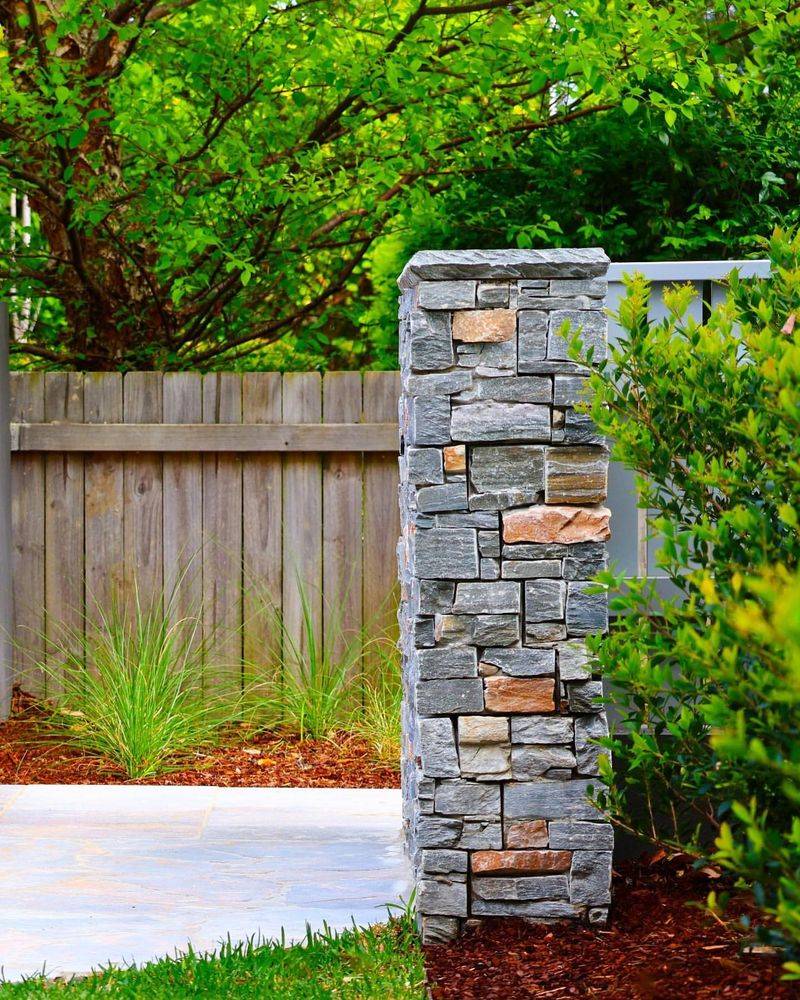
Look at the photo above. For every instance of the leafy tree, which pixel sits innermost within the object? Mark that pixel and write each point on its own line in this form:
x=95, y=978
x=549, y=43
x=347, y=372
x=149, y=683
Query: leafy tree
x=208, y=177
x=706, y=681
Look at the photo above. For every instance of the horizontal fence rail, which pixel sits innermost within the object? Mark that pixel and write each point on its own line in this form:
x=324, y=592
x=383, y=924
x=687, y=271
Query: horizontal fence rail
x=235, y=486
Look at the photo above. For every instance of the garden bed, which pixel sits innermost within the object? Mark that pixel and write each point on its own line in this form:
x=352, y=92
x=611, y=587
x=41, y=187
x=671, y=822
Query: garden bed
x=29, y=755
x=661, y=943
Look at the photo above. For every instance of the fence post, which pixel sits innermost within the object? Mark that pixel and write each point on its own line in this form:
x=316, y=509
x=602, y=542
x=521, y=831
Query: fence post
x=5, y=522
x=502, y=490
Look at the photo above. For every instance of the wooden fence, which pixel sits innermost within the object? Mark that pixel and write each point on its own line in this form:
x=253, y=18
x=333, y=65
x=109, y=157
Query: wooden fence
x=231, y=485
x=242, y=483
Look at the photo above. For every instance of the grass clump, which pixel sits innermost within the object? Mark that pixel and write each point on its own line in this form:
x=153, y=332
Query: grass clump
x=377, y=720
x=383, y=962
x=129, y=688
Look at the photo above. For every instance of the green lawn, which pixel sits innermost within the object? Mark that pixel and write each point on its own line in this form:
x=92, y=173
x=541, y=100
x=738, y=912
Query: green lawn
x=381, y=962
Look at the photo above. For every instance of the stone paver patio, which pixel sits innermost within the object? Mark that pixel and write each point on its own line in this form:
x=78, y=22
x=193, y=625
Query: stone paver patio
x=96, y=874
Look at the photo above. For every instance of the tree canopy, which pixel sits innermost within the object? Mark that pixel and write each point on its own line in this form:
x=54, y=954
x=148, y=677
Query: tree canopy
x=208, y=177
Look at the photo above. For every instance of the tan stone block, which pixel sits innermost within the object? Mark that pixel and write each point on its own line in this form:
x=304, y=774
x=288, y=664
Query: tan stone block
x=526, y=833
x=566, y=525
x=482, y=729
x=489, y=762
x=575, y=475
x=455, y=458
x=520, y=862
x=519, y=694
x=486, y=326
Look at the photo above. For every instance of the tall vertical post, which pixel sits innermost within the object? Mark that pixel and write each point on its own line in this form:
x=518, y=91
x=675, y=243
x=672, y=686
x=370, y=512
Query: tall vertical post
x=5, y=521
x=502, y=488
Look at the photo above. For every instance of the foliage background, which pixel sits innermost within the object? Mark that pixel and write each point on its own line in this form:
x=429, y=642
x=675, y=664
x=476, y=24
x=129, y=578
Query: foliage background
x=208, y=179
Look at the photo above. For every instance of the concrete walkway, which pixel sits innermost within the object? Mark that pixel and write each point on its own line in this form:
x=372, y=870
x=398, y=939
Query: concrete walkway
x=96, y=874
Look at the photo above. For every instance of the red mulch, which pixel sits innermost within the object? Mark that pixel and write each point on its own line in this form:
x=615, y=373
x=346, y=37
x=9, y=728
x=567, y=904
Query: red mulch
x=657, y=948
x=272, y=760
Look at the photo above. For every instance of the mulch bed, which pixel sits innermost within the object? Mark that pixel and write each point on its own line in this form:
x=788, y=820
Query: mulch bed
x=659, y=946
x=270, y=760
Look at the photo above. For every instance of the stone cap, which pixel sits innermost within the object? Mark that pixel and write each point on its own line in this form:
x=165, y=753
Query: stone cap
x=508, y=265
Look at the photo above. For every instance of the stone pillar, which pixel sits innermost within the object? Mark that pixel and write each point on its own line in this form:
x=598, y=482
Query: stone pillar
x=503, y=526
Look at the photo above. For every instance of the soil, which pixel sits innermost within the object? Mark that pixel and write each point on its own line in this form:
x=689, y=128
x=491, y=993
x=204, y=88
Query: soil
x=660, y=945
x=29, y=755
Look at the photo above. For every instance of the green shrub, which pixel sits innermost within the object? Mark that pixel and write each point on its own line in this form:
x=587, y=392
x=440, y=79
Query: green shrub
x=129, y=687
x=706, y=682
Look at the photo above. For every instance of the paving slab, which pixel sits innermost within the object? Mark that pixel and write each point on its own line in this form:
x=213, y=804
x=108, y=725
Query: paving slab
x=98, y=874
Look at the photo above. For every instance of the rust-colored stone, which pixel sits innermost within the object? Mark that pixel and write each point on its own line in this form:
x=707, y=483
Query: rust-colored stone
x=520, y=862
x=485, y=326
x=566, y=525
x=526, y=833
x=455, y=458
x=519, y=694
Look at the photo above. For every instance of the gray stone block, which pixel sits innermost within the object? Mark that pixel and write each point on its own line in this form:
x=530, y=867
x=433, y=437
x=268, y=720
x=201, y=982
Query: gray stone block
x=587, y=612
x=549, y=800
x=508, y=389
x=438, y=748
x=594, y=287
x=489, y=544
x=450, y=697
x=521, y=889
x=496, y=359
x=522, y=662
x=515, y=471
x=490, y=421
x=446, y=294
x=591, y=327
x=579, y=428
x=478, y=630
x=448, y=662
x=573, y=661
x=438, y=930
x=556, y=910
x=484, y=521
x=446, y=553
x=527, y=300
x=450, y=496
x=577, y=835
x=481, y=836
x=441, y=897
x=431, y=342
x=583, y=569
x=424, y=466
x=589, y=729
x=436, y=831
x=570, y=389
x=501, y=597
x=535, y=760
x=490, y=569
x=493, y=294
x=429, y=420
x=531, y=569
x=554, y=550
x=539, y=632
x=424, y=634
x=541, y=729
x=583, y=697
x=544, y=600
x=444, y=862
x=531, y=341
x=439, y=384
x=435, y=596
x=467, y=798
x=503, y=265
x=590, y=878
x=485, y=763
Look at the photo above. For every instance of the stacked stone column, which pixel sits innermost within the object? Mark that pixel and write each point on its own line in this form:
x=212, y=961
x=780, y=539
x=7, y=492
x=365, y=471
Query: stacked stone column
x=503, y=527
